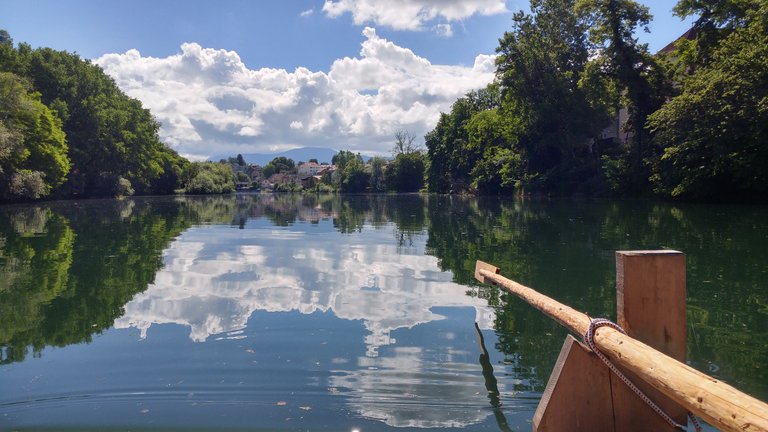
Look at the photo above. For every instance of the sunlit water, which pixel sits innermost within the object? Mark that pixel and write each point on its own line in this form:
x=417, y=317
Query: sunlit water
x=356, y=313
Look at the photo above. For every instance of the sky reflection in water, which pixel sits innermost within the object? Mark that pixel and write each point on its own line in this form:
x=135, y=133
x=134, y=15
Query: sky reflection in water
x=365, y=328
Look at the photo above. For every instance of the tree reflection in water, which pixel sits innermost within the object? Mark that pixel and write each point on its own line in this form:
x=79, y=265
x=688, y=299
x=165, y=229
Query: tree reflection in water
x=69, y=271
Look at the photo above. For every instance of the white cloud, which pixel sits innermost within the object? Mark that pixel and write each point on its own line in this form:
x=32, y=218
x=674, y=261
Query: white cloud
x=210, y=103
x=307, y=13
x=444, y=30
x=411, y=14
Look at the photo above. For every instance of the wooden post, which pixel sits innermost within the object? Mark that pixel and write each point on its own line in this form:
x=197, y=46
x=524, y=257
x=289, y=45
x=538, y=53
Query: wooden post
x=650, y=304
x=650, y=299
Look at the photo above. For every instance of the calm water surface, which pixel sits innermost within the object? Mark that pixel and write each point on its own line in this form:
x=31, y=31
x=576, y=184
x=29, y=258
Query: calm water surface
x=339, y=313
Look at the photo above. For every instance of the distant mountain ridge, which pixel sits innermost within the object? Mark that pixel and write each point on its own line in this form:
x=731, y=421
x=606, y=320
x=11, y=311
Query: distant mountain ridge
x=302, y=154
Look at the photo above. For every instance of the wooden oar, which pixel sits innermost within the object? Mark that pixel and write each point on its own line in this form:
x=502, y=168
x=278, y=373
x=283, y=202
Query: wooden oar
x=720, y=404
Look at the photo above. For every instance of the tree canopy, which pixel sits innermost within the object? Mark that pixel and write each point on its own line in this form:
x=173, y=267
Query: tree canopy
x=580, y=106
x=110, y=141
x=715, y=133
x=33, y=148
x=278, y=165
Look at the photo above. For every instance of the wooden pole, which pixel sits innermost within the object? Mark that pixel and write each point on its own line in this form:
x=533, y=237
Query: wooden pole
x=716, y=402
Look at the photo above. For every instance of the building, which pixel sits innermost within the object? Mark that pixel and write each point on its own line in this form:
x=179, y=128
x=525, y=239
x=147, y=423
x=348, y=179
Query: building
x=309, y=169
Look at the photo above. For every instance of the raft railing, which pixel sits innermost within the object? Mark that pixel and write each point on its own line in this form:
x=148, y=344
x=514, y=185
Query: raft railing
x=583, y=395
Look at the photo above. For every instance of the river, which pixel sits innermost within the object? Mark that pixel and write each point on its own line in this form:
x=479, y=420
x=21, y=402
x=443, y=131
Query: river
x=251, y=312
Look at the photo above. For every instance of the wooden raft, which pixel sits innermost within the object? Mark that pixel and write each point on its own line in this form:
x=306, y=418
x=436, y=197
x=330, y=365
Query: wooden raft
x=584, y=395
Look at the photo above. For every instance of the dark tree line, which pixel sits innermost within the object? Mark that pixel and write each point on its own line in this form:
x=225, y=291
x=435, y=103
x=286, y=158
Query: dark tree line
x=693, y=119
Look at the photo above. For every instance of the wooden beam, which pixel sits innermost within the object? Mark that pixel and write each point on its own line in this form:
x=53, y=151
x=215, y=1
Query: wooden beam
x=487, y=267
x=716, y=402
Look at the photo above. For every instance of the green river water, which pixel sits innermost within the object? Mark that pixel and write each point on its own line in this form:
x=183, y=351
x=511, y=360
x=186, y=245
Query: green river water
x=261, y=312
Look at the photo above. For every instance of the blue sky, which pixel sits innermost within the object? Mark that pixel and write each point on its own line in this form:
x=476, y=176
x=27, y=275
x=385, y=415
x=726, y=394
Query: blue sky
x=406, y=60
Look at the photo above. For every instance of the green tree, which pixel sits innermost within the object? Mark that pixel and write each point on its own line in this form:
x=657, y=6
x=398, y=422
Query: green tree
x=714, y=135
x=499, y=169
x=406, y=172
x=716, y=19
x=450, y=159
x=351, y=175
x=539, y=67
x=5, y=38
x=378, y=167
x=211, y=178
x=33, y=148
x=112, y=138
x=278, y=165
x=628, y=67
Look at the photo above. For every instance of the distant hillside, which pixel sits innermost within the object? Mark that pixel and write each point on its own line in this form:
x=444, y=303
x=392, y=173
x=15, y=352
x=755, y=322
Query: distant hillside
x=298, y=155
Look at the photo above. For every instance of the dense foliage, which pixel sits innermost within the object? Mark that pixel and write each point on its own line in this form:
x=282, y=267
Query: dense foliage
x=279, y=165
x=715, y=133
x=579, y=106
x=350, y=175
x=81, y=135
x=33, y=148
x=209, y=178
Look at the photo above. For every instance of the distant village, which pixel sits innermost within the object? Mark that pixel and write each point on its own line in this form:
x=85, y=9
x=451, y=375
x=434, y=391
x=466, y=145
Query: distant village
x=307, y=175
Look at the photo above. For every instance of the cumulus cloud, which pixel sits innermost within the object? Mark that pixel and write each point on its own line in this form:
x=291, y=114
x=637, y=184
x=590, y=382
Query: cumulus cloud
x=210, y=103
x=411, y=14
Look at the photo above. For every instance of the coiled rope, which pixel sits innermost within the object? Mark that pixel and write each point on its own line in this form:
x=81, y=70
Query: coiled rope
x=589, y=339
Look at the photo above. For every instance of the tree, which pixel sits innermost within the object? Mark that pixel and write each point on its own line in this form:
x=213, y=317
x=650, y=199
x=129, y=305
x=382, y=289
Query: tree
x=404, y=143
x=211, y=178
x=714, y=135
x=450, y=160
x=110, y=136
x=278, y=165
x=378, y=179
x=33, y=148
x=5, y=38
x=629, y=67
x=406, y=172
x=240, y=160
x=499, y=169
x=539, y=66
x=350, y=175
x=716, y=20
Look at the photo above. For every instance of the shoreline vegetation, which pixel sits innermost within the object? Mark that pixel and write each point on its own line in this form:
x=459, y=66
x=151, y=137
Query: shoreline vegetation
x=578, y=108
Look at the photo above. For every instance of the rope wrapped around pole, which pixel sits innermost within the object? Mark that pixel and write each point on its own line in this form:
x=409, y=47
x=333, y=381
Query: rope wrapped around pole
x=718, y=403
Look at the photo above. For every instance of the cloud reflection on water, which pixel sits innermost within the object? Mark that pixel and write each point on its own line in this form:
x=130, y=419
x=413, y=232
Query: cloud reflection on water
x=215, y=277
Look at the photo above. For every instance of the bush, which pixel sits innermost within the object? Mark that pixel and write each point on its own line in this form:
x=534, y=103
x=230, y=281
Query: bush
x=123, y=187
x=27, y=184
x=211, y=178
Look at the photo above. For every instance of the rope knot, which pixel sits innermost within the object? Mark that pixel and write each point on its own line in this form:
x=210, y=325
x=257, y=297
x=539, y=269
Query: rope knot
x=589, y=339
